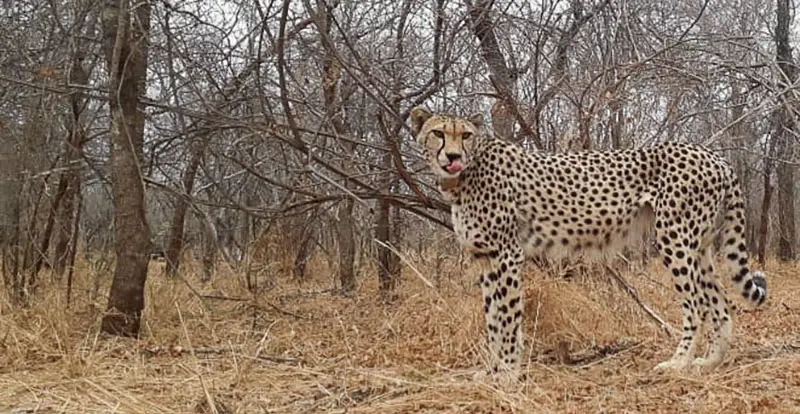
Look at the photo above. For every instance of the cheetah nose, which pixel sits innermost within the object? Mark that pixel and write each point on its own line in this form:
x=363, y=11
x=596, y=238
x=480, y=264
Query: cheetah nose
x=452, y=156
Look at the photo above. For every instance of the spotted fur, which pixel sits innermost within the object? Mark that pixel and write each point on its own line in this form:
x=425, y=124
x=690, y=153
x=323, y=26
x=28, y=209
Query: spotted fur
x=509, y=204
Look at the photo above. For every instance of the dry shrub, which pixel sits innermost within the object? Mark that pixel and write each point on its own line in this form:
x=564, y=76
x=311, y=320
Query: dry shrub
x=301, y=348
x=579, y=315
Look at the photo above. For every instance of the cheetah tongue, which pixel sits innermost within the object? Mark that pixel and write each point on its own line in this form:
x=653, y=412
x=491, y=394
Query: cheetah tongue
x=455, y=166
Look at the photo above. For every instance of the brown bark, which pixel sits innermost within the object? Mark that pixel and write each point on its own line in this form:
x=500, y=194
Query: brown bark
x=304, y=252
x=766, y=203
x=787, y=244
x=503, y=78
x=11, y=239
x=506, y=112
x=347, y=247
x=33, y=226
x=41, y=252
x=65, y=216
x=125, y=45
x=67, y=213
x=331, y=77
x=764, y=226
x=74, y=243
x=27, y=204
x=742, y=137
x=787, y=130
x=177, y=227
x=209, y=252
x=388, y=281
x=388, y=262
x=612, y=55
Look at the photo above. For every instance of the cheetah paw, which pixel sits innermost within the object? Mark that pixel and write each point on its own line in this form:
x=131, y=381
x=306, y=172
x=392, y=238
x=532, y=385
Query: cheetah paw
x=503, y=378
x=675, y=364
x=706, y=364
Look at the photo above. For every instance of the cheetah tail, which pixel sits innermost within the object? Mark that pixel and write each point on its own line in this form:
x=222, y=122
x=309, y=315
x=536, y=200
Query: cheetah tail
x=753, y=284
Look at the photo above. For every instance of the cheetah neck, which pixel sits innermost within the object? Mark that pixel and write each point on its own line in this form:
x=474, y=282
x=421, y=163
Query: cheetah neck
x=449, y=184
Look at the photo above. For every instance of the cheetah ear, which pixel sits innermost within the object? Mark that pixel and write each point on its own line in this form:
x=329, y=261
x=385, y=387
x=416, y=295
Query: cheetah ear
x=418, y=117
x=476, y=119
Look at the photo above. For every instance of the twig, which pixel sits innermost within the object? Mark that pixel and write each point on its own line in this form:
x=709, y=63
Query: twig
x=179, y=350
x=279, y=310
x=339, y=186
x=207, y=350
x=608, y=354
x=256, y=306
x=306, y=295
x=277, y=359
x=669, y=329
x=218, y=297
x=406, y=261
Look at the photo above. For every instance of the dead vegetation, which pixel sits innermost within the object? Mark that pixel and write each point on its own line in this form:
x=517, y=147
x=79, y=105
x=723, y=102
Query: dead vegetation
x=301, y=348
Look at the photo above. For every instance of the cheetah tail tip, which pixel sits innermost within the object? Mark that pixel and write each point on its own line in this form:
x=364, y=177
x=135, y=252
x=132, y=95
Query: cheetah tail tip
x=759, y=291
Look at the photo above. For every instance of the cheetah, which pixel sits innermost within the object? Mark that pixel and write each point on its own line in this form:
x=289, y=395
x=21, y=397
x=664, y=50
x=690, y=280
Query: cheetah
x=509, y=204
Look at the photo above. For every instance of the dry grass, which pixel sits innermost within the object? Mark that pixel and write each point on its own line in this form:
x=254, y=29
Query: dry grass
x=297, y=348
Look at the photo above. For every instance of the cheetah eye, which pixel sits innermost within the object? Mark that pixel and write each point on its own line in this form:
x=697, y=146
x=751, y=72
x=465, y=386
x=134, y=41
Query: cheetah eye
x=439, y=134
x=466, y=135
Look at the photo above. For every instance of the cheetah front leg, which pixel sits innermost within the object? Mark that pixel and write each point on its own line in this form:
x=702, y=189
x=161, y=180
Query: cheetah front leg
x=500, y=280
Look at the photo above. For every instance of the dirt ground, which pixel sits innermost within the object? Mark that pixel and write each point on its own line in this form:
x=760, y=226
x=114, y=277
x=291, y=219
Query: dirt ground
x=299, y=348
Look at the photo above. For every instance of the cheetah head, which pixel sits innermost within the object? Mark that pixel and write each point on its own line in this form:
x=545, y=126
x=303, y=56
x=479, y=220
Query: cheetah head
x=448, y=141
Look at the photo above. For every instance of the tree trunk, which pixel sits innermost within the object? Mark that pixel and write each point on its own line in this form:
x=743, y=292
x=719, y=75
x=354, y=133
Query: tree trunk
x=742, y=136
x=388, y=262
x=11, y=233
x=35, y=221
x=125, y=45
x=73, y=246
x=177, y=227
x=763, y=230
x=347, y=247
x=787, y=130
x=24, y=196
x=764, y=226
x=65, y=217
x=387, y=279
x=304, y=250
x=41, y=255
x=67, y=214
x=502, y=77
x=396, y=233
x=209, y=252
x=198, y=145
x=332, y=75
x=787, y=244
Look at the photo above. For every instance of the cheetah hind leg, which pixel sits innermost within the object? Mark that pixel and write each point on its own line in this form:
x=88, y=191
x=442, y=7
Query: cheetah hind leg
x=716, y=309
x=684, y=273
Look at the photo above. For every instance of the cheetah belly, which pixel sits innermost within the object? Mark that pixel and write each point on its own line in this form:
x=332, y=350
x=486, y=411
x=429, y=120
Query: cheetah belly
x=585, y=234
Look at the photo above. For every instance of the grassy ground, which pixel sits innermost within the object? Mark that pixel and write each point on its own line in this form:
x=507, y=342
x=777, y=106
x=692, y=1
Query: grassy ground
x=300, y=349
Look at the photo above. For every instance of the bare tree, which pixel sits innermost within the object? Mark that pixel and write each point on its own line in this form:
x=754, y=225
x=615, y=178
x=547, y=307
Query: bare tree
x=786, y=132
x=69, y=188
x=766, y=202
x=285, y=126
x=504, y=78
x=125, y=43
x=334, y=116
